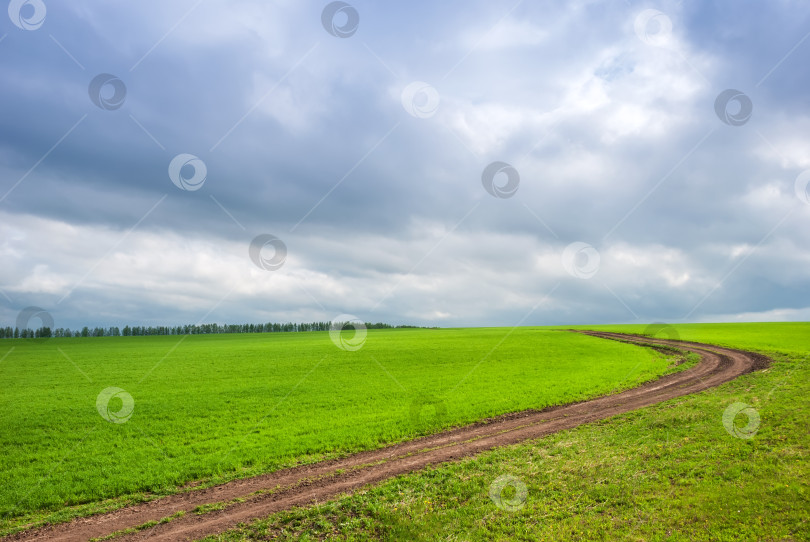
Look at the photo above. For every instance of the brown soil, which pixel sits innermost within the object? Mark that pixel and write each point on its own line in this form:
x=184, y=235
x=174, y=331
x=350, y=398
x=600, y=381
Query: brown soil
x=307, y=484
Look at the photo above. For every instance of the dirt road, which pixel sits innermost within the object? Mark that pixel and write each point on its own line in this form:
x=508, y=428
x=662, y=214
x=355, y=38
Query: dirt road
x=322, y=481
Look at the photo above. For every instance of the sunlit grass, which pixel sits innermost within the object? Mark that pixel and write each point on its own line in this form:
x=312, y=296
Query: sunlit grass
x=221, y=406
x=666, y=472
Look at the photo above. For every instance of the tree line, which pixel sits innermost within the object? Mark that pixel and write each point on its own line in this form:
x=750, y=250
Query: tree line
x=196, y=329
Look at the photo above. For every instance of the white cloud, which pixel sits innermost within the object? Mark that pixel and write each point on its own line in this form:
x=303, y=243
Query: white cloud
x=772, y=315
x=508, y=34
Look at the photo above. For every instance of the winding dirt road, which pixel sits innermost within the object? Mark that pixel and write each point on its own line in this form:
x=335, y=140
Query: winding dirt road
x=321, y=481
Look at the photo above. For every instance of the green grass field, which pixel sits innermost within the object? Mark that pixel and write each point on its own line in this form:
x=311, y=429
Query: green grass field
x=667, y=472
x=217, y=407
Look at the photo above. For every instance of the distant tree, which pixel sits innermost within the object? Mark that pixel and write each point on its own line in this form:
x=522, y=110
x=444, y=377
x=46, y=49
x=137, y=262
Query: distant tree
x=196, y=329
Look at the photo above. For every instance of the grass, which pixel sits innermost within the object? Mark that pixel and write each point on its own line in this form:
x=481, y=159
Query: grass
x=217, y=407
x=142, y=527
x=667, y=472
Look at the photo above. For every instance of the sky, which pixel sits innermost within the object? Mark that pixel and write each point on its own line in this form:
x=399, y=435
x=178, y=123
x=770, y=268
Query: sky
x=452, y=163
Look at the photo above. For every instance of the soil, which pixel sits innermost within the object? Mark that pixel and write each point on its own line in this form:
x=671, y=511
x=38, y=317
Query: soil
x=305, y=485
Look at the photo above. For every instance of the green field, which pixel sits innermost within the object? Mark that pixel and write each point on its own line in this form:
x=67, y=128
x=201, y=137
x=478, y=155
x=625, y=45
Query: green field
x=667, y=472
x=217, y=407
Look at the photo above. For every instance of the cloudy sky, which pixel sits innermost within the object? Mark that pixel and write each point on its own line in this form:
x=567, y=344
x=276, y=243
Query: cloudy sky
x=434, y=163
